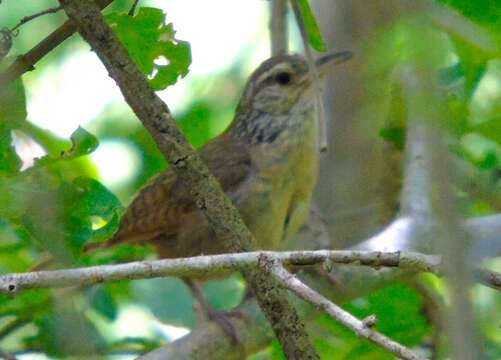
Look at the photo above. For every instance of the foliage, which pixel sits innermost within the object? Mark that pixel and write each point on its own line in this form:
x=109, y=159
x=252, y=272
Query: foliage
x=312, y=29
x=148, y=40
x=399, y=310
x=58, y=204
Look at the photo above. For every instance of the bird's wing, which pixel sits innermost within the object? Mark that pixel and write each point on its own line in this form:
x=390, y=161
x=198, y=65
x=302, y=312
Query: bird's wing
x=164, y=208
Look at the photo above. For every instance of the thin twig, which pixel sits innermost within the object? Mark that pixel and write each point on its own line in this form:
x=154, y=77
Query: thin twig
x=26, y=19
x=27, y=62
x=278, y=27
x=323, y=142
x=361, y=327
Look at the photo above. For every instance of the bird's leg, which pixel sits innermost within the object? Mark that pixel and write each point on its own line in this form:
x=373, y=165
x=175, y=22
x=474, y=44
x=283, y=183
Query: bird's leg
x=207, y=312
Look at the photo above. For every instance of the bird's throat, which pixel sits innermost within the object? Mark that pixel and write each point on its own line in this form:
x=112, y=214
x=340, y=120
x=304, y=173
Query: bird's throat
x=257, y=127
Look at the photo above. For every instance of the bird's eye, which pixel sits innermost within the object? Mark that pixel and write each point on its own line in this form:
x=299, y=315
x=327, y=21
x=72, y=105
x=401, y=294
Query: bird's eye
x=283, y=78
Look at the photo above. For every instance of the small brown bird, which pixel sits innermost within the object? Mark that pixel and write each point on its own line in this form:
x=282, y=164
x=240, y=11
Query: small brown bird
x=266, y=162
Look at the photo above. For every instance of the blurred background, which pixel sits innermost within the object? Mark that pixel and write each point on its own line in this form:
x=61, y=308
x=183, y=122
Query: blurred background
x=358, y=191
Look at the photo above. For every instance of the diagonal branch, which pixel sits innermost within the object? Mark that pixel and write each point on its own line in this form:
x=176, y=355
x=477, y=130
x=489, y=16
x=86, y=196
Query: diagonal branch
x=222, y=216
x=354, y=281
x=361, y=328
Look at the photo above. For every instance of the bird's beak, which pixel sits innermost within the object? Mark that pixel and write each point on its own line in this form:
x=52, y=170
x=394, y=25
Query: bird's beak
x=325, y=62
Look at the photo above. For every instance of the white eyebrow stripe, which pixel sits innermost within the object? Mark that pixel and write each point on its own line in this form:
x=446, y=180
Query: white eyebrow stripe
x=279, y=67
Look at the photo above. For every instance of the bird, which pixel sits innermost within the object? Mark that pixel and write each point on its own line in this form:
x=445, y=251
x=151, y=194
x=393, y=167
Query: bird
x=266, y=161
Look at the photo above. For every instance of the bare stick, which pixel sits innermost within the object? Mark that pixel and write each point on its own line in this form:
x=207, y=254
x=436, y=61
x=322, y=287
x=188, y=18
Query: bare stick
x=361, y=328
x=323, y=143
x=26, y=19
x=222, y=216
x=225, y=263
x=278, y=27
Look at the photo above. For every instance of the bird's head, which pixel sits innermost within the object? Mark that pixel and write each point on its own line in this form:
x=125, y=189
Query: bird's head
x=282, y=81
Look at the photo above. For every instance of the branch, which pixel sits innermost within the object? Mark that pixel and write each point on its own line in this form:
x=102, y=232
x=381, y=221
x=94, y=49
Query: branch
x=278, y=27
x=350, y=282
x=416, y=189
x=220, y=264
x=361, y=328
x=222, y=216
x=316, y=78
x=422, y=111
x=484, y=233
x=206, y=342
x=26, y=62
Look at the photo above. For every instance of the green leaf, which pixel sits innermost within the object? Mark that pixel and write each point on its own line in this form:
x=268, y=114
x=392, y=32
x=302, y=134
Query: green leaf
x=13, y=104
x=198, y=122
x=95, y=199
x=51, y=143
x=395, y=126
x=9, y=160
x=61, y=332
x=12, y=113
x=473, y=63
x=168, y=299
x=483, y=11
x=491, y=129
x=56, y=212
x=153, y=46
x=395, y=135
x=451, y=74
x=399, y=312
x=490, y=161
x=226, y=293
x=312, y=29
x=82, y=143
x=180, y=60
x=103, y=301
